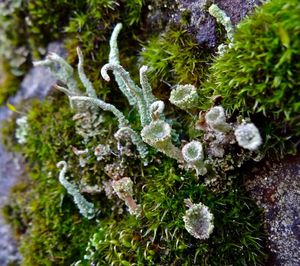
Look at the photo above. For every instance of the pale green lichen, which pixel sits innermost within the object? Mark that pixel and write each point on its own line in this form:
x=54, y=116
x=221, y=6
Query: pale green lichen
x=222, y=18
x=135, y=138
x=90, y=91
x=22, y=130
x=156, y=110
x=104, y=106
x=135, y=91
x=158, y=135
x=141, y=97
x=146, y=87
x=61, y=70
x=216, y=119
x=114, y=59
x=184, y=96
x=248, y=136
x=193, y=154
x=198, y=220
x=85, y=207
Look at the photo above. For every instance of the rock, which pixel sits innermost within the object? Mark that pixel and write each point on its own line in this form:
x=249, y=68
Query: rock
x=276, y=188
x=202, y=25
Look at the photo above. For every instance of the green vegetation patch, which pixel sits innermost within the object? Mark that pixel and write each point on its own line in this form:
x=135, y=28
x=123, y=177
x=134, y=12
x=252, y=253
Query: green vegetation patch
x=175, y=57
x=259, y=74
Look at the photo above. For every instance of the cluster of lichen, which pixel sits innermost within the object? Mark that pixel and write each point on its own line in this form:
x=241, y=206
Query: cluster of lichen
x=158, y=210
x=53, y=232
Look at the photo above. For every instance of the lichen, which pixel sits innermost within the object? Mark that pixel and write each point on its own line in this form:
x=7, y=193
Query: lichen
x=198, y=220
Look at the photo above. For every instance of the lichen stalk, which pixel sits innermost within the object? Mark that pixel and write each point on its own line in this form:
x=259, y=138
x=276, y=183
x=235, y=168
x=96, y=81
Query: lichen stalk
x=216, y=119
x=146, y=87
x=64, y=72
x=135, y=138
x=90, y=91
x=158, y=135
x=85, y=207
x=114, y=59
x=123, y=122
x=124, y=190
x=132, y=87
x=193, y=154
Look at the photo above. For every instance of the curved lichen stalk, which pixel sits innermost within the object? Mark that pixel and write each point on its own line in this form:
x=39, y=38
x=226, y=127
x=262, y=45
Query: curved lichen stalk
x=64, y=72
x=114, y=59
x=141, y=97
x=135, y=138
x=132, y=87
x=85, y=207
x=156, y=110
x=85, y=81
x=146, y=87
x=123, y=122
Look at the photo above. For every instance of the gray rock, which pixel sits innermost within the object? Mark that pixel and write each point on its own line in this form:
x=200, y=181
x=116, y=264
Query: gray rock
x=202, y=25
x=275, y=187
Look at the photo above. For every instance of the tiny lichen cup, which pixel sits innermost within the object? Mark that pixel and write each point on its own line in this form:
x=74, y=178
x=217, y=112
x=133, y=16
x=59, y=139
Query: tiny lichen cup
x=248, y=136
x=193, y=154
x=216, y=119
x=158, y=135
x=184, y=96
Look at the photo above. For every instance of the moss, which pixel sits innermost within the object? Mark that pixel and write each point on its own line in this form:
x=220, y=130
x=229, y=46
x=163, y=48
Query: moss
x=159, y=238
x=9, y=84
x=177, y=50
x=53, y=233
x=259, y=75
x=40, y=210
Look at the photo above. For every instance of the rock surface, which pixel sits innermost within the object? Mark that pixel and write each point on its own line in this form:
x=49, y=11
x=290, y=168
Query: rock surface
x=37, y=83
x=275, y=186
x=204, y=26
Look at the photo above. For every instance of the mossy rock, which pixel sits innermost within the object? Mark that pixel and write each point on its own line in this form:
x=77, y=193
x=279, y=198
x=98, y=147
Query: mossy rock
x=259, y=75
x=52, y=231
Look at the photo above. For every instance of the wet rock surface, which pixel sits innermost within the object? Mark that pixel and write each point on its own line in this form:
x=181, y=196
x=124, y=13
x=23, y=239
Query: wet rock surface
x=37, y=83
x=275, y=186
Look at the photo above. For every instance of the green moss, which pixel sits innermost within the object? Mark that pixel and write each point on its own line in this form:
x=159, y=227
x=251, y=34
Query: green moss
x=53, y=232
x=159, y=237
x=178, y=51
x=9, y=84
x=259, y=75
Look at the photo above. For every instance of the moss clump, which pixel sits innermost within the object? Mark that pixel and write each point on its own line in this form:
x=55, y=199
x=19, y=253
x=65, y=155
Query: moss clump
x=53, y=233
x=177, y=50
x=259, y=75
x=159, y=237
